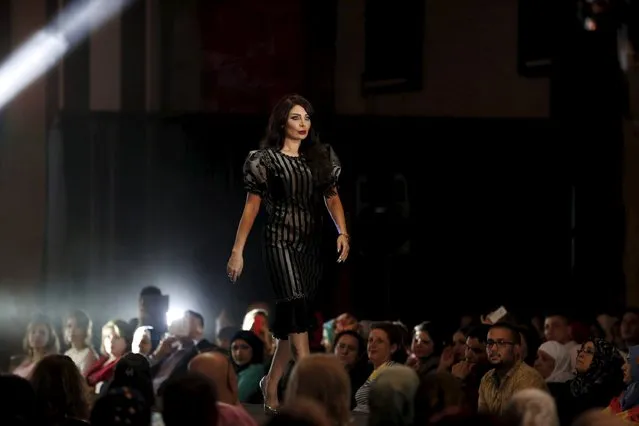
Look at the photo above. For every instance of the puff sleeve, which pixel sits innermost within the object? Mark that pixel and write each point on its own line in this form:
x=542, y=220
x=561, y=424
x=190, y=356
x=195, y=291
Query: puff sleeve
x=255, y=173
x=335, y=172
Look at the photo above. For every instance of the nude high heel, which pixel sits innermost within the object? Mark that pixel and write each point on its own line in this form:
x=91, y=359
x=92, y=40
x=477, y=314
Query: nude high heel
x=268, y=410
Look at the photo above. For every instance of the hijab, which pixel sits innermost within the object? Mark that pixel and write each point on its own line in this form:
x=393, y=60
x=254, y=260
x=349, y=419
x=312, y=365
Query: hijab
x=630, y=397
x=563, y=366
x=256, y=345
x=605, y=371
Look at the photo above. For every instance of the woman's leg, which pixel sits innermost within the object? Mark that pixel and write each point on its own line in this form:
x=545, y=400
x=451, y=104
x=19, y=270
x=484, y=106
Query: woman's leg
x=299, y=345
x=279, y=363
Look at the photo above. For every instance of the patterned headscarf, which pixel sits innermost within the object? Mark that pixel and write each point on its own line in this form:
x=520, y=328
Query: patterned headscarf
x=604, y=371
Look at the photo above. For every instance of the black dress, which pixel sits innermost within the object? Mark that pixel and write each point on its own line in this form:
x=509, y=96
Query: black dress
x=292, y=235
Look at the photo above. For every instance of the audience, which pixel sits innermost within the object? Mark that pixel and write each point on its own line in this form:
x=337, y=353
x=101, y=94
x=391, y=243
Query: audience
x=376, y=373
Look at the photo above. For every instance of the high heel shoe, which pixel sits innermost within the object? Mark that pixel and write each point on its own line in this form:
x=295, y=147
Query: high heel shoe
x=268, y=410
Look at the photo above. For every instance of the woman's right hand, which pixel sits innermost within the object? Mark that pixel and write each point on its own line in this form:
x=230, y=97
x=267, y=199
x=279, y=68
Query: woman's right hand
x=234, y=266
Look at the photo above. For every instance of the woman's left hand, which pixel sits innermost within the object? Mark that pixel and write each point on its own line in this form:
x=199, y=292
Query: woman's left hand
x=343, y=247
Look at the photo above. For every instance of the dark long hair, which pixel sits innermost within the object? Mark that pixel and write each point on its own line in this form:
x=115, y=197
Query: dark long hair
x=394, y=338
x=315, y=152
x=60, y=389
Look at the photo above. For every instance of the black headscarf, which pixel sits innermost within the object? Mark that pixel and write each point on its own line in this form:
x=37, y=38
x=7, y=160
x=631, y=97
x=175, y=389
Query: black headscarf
x=255, y=343
x=604, y=374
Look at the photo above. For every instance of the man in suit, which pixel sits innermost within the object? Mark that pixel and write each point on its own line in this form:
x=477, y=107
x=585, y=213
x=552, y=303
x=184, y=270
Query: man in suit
x=175, y=352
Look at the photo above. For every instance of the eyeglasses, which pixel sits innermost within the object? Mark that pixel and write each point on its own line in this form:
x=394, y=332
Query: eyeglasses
x=498, y=343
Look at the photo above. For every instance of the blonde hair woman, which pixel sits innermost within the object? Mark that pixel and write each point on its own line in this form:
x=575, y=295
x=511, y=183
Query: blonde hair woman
x=116, y=342
x=39, y=341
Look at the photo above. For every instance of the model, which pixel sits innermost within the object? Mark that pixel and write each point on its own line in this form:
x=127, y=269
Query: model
x=296, y=177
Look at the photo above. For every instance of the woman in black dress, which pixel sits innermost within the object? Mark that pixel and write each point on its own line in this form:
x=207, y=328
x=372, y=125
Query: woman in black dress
x=295, y=176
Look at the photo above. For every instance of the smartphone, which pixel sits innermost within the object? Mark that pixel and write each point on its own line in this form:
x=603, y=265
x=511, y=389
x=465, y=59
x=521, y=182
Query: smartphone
x=497, y=315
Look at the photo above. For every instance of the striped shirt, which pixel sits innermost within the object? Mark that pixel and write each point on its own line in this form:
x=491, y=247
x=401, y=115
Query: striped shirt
x=361, y=396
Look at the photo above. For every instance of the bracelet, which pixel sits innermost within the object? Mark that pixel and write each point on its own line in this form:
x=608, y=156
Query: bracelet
x=348, y=237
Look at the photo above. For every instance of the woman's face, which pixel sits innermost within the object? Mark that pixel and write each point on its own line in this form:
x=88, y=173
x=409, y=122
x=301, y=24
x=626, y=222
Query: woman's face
x=241, y=352
x=114, y=345
x=584, y=359
x=72, y=333
x=298, y=124
x=379, y=347
x=459, y=345
x=544, y=364
x=346, y=350
x=141, y=342
x=38, y=336
x=422, y=345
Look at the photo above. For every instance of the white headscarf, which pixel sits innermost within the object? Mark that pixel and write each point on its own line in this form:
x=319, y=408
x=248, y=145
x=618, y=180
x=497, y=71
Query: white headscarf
x=563, y=366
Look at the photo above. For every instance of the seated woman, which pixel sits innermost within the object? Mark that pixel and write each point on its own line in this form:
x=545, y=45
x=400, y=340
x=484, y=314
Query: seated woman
x=553, y=362
x=247, y=354
x=350, y=349
x=141, y=343
x=256, y=320
x=77, y=335
x=598, y=379
x=116, y=342
x=426, y=349
x=40, y=340
x=384, y=349
x=626, y=406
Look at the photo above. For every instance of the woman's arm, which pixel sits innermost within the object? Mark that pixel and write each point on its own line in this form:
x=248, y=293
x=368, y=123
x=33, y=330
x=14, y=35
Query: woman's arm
x=251, y=209
x=236, y=262
x=336, y=210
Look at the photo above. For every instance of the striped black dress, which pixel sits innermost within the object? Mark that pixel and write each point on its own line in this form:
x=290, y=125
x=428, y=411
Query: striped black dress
x=292, y=235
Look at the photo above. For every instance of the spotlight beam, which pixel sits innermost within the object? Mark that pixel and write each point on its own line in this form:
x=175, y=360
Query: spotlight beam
x=48, y=46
